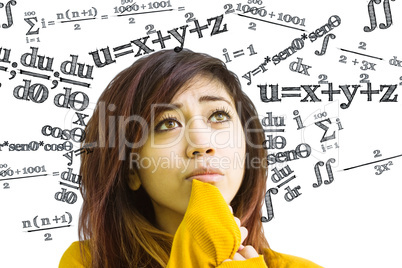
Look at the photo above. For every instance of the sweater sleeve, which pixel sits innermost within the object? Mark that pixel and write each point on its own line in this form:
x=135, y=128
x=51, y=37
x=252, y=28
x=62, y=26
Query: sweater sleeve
x=280, y=260
x=208, y=234
x=253, y=262
x=72, y=257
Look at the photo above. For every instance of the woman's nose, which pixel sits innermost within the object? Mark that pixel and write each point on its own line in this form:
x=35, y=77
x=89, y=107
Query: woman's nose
x=198, y=136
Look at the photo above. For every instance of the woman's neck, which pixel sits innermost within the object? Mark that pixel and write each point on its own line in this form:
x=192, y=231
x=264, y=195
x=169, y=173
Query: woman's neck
x=166, y=219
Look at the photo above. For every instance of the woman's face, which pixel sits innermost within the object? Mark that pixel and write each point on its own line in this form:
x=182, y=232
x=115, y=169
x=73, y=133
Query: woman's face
x=201, y=138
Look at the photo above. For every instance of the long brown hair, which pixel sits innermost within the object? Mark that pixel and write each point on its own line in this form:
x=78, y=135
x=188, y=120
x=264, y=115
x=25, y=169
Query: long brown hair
x=119, y=224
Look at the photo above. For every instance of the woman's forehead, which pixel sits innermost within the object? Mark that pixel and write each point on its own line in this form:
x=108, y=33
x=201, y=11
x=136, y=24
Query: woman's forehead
x=202, y=85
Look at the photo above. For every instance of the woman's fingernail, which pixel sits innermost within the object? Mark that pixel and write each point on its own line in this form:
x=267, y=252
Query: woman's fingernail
x=240, y=248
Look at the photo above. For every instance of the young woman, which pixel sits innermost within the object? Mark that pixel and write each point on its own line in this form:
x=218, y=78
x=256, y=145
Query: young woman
x=178, y=172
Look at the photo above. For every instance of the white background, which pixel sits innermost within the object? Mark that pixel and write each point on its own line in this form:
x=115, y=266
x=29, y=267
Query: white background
x=352, y=222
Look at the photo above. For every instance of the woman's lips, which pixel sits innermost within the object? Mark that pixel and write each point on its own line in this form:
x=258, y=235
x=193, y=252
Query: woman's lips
x=206, y=174
x=212, y=177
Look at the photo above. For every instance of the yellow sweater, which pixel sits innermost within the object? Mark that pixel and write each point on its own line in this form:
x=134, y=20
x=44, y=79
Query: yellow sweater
x=206, y=237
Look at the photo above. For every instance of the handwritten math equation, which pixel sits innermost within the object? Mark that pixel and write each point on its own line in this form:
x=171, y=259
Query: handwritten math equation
x=65, y=82
x=284, y=176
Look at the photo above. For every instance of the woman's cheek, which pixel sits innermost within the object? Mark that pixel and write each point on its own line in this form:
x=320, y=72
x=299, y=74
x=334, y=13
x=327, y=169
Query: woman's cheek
x=166, y=139
x=223, y=138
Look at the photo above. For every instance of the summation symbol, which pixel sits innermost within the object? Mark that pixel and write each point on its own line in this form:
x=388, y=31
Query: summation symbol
x=324, y=127
x=320, y=124
x=31, y=22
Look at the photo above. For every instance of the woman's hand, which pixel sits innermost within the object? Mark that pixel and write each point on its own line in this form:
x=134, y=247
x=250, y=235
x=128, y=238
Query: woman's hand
x=244, y=252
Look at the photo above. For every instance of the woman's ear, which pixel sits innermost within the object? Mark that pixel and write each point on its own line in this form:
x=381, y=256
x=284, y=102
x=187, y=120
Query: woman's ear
x=134, y=181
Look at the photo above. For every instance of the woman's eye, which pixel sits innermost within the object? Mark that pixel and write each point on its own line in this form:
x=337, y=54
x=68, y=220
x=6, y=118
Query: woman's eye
x=219, y=117
x=167, y=124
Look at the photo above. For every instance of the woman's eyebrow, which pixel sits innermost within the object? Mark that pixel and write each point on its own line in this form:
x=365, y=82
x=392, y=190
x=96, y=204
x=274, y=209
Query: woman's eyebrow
x=213, y=98
x=204, y=98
